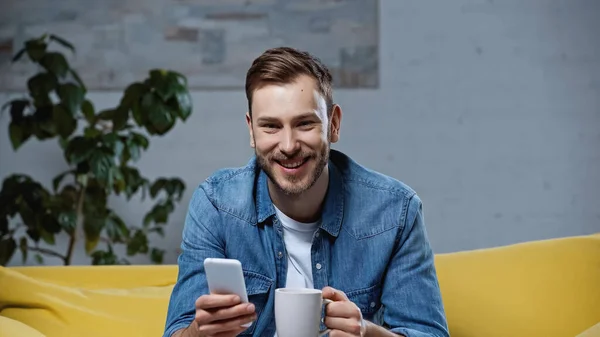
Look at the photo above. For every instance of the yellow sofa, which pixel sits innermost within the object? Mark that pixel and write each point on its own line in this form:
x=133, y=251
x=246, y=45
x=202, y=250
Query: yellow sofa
x=540, y=288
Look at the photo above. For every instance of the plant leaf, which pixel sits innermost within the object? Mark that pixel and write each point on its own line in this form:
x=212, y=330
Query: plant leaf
x=87, y=108
x=164, y=83
x=39, y=259
x=138, y=243
x=17, y=108
x=159, y=117
x=184, y=104
x=18, y=55
x=78, y=79
x=157, y=255
x=58, y=179
x=133, y=180
x=176, y=187
x=42, y=122
x=120, y=118
x=62, y=42
x=140, y=140
x=91, y=132
x=55, y=63
x=3, y=219
x=158, y=185
x=36, y=48
x=71, y=96
x=131, y=100
x=68, y=221
x=47, y=236
x=7, y=249
x=64, y=121
x=116, y=229
x=92, y=227
x=107, y=115
x=101, y=165
x=133, y=150
x=17, y=136
x=100, y=257
x=79, y=149
x=159, y=213
x=42, y=84
x=23, y=248
x=159, y=230
x=114, y=143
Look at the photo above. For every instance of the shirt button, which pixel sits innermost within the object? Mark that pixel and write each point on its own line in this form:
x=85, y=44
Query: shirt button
x=318, y=266
x=372, y=304
x=317, y=234
x=280, y=255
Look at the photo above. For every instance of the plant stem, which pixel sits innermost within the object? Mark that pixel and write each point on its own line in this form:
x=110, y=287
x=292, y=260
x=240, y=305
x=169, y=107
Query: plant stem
x=47, y=252
x=78, y=224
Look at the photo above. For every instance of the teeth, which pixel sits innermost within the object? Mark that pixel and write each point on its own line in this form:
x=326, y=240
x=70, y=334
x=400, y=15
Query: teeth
x=292, y=165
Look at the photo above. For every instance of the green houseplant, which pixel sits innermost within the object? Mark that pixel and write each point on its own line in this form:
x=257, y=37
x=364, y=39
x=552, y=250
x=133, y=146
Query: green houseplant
x=99, y=148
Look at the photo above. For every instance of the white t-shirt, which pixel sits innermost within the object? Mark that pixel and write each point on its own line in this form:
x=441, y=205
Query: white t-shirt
x=297, y=237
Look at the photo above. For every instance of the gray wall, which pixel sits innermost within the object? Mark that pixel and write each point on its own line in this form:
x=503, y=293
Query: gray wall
x=489, y=109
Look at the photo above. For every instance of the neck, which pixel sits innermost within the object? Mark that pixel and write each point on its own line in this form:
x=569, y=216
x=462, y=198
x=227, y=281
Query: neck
x=306, y=206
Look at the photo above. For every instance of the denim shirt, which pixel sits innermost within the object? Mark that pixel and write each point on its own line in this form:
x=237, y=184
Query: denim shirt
x=371, y=244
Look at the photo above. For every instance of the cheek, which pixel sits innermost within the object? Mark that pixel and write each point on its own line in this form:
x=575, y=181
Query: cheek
x=265, y=144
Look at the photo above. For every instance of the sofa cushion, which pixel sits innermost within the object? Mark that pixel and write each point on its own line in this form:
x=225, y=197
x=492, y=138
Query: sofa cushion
x=59, y=310
x=13, y=328
x=540, y=288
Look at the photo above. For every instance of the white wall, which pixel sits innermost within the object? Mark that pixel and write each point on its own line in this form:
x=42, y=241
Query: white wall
x=489, y=109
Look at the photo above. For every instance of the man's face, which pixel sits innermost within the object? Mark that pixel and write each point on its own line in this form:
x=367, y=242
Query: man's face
x=291, y=133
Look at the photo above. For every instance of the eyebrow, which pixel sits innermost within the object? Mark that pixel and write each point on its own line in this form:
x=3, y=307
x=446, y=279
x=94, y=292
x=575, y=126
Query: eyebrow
x=273, y=119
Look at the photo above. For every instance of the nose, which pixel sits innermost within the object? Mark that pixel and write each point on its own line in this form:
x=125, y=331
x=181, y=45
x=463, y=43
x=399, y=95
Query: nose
x=288, y=144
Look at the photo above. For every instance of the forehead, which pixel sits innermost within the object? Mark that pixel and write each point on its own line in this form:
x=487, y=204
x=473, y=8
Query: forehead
x=281, y=100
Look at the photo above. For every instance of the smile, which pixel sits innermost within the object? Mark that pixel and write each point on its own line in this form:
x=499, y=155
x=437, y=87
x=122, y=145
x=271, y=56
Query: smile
x=289, y=164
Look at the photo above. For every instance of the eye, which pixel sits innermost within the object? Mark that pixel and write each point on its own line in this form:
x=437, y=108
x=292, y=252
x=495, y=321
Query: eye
x=269, y=127
x=305, y=123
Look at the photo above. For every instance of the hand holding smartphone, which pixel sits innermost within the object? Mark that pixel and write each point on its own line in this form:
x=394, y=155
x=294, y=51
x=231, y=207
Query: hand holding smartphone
x=225, y=282
x=225, y=276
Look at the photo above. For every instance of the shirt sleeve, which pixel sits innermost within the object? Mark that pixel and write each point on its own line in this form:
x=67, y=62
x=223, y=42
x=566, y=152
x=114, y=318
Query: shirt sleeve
x=411, y=294
x=200, y=240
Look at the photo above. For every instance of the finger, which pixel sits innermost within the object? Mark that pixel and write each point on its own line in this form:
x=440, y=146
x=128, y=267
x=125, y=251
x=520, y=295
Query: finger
x=348, y=325
x=334, y=294
x=216, y=301
x=342, y=309
x=224, y=313
x=226, y=325
x=231, y=333
x=339, y=333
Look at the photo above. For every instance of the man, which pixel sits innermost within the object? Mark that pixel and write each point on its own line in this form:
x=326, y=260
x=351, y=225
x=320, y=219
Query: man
x=302, y=215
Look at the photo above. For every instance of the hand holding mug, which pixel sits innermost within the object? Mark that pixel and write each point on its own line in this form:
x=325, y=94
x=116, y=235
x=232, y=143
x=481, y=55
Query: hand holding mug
x=342, y=316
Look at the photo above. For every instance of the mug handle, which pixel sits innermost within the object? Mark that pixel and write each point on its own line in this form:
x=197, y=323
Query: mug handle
x=326, y=331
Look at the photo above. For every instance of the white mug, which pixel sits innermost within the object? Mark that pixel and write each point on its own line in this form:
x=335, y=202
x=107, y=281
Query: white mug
x=298, y=312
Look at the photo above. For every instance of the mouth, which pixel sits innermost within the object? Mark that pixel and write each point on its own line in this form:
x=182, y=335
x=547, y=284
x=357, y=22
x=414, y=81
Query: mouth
x=292, y=164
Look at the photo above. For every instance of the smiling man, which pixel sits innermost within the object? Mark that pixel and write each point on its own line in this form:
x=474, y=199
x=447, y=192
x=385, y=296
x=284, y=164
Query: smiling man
x=301, y=214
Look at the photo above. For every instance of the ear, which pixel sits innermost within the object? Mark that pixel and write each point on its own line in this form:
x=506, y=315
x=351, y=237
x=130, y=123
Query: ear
x=249, y=123
x=336, y=122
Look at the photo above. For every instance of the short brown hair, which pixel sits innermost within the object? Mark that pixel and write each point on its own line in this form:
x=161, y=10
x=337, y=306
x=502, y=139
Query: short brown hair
x=284, y=65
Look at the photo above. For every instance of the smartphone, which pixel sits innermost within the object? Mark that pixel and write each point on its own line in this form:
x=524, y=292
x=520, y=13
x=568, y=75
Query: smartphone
x=225, y=276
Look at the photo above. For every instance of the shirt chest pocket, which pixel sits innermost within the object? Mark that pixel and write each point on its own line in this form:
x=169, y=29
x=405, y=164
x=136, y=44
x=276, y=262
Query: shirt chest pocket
x=367, y=299
x=257, y=287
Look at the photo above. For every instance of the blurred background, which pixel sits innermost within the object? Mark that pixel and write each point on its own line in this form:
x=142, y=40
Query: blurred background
x=489, y=109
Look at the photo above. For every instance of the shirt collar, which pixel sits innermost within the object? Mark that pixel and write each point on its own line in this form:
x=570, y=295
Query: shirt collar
x=333, y=209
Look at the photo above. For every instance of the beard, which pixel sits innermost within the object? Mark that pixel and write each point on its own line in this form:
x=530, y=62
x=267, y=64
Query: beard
x=294, y=185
